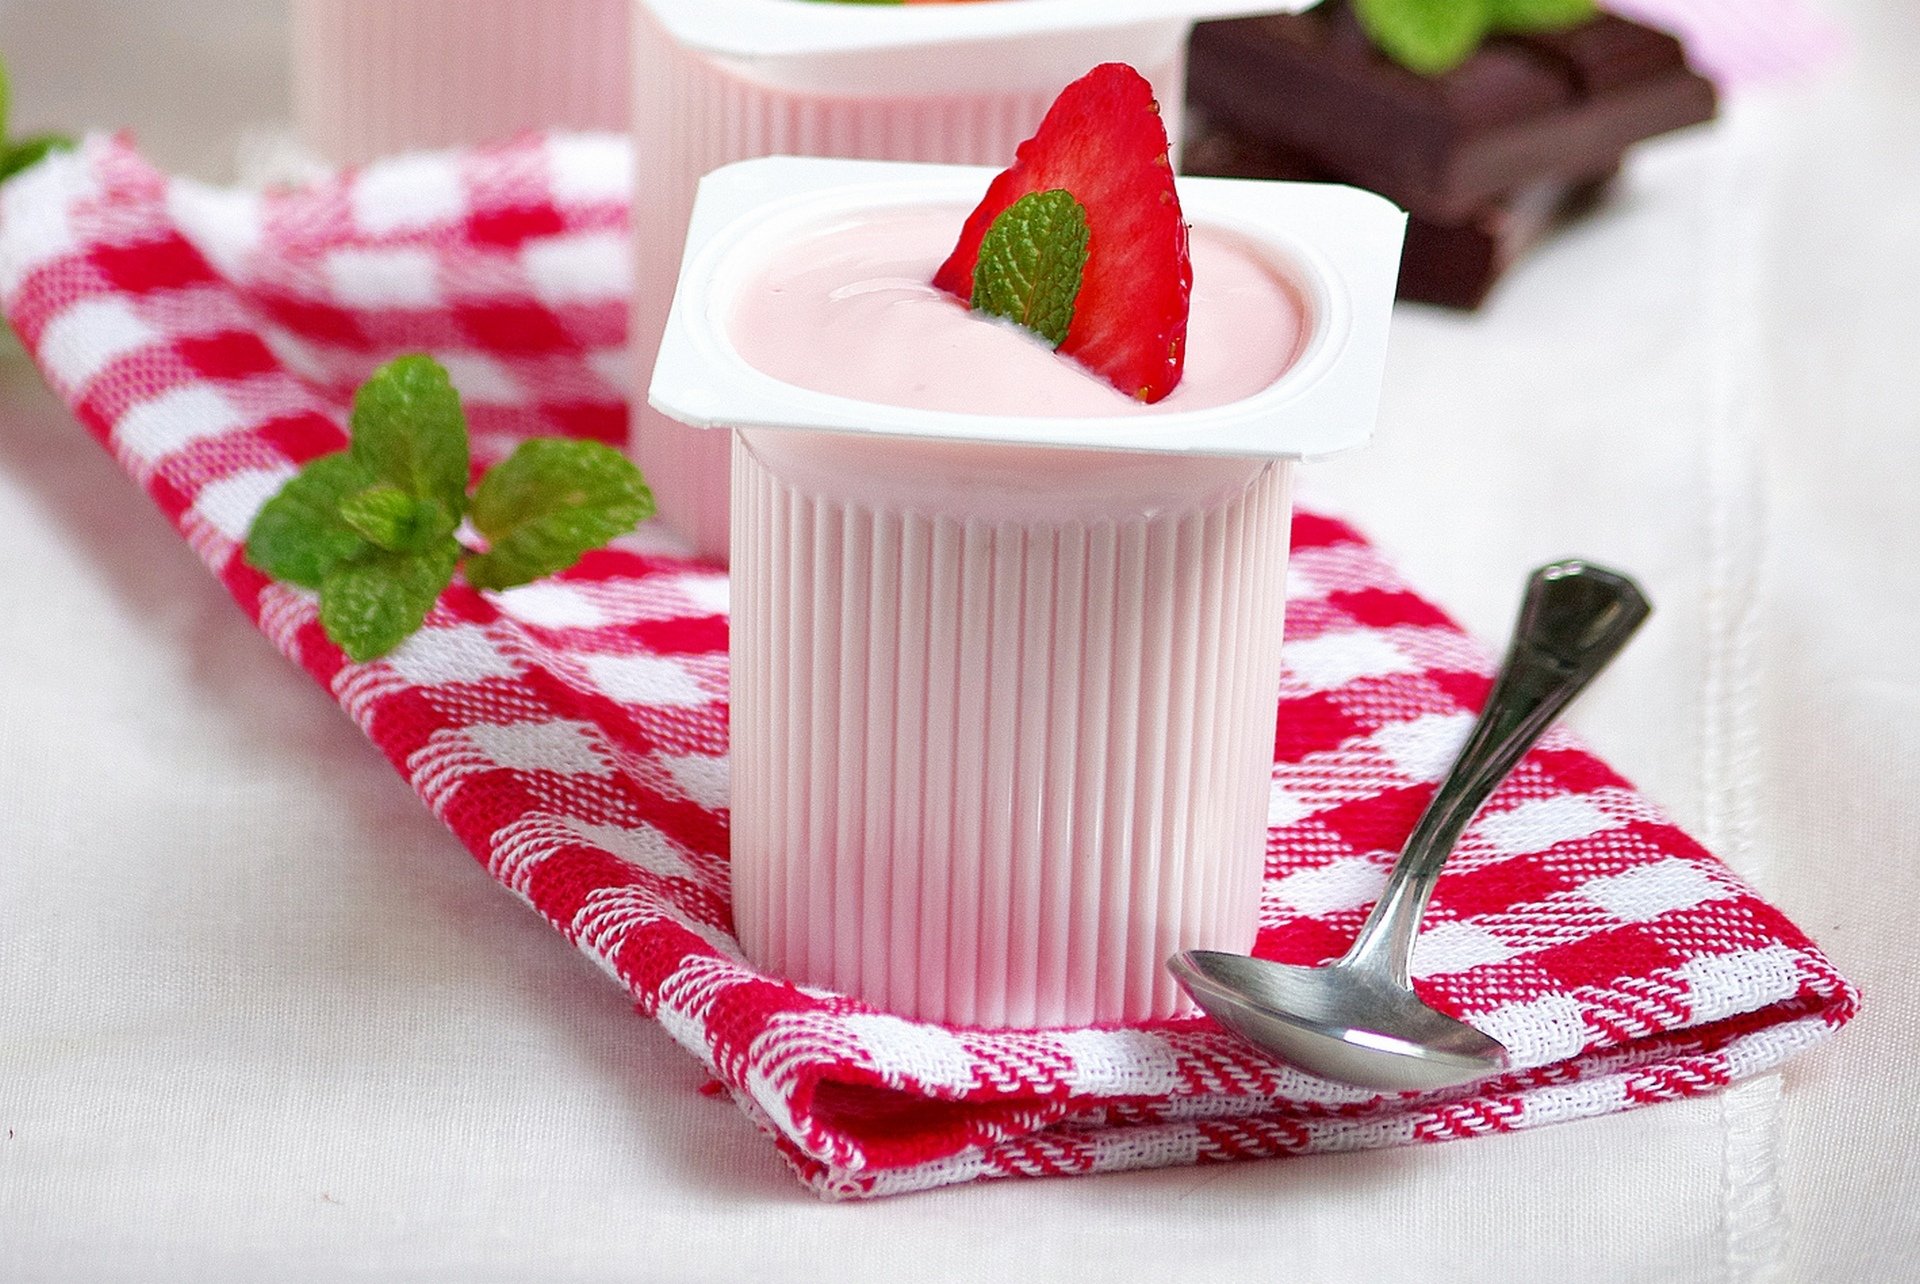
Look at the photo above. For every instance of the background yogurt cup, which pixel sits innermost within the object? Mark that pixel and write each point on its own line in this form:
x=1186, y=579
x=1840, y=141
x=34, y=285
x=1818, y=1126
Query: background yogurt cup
x=373, y=77
x=1004, y=689
x=726, y=80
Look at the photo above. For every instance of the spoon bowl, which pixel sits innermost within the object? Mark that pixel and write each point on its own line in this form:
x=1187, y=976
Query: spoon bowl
x=1357, y=1020
x=1307, y=1016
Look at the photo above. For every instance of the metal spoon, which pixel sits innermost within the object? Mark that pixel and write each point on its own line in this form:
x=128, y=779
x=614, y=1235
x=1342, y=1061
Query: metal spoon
x=1358, y=1020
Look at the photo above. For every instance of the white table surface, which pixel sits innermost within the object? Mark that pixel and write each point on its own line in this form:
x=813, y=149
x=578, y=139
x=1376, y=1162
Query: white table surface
x=262, y=1018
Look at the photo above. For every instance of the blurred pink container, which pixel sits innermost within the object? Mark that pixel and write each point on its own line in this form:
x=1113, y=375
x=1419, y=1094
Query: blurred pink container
x=728, y=80
x=1003, y=719
x=1003, y=689
x=373, y=77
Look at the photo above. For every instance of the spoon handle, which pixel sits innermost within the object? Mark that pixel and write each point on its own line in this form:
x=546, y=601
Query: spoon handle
x=1575, y=618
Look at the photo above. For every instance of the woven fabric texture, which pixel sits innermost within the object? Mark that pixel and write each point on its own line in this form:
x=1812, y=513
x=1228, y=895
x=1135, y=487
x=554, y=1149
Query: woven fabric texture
x=573, y=732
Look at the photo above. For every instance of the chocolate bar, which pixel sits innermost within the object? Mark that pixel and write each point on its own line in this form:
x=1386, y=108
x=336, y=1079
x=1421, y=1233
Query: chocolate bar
x=1452, y=264
x=1522, y=111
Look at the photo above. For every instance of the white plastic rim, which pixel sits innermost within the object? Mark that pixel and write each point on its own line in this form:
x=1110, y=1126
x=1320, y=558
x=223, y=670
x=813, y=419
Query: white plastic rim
x=1002, y=719
x=1338, y=246
x=375, y=77
x=774, y=28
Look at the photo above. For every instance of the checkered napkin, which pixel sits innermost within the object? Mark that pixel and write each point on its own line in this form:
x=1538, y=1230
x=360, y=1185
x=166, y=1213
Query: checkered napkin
x=573, y=732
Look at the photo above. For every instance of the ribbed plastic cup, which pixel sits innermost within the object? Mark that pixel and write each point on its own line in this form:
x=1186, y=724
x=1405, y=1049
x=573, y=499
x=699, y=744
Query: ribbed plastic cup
x=728, y=80
x=1003, y=719
x=1003, y=687
x=374, y=77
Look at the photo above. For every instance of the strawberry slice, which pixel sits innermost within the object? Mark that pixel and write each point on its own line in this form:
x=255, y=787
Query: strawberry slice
x=1103, y=140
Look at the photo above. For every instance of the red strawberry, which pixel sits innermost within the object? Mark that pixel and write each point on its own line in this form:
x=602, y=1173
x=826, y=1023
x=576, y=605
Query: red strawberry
x=1103, y=140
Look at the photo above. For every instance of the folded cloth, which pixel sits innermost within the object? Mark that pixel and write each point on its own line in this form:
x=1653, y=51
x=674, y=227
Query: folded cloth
x=573, y=732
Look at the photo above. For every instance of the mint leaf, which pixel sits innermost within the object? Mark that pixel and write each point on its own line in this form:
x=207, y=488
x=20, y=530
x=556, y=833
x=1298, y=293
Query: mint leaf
x=16, y=156
x=388, y=518
x=29, y=152
x=1030, y=263
x=369, y=607
x=409, y=430
x=1541, y=15
x=299, y=535
x=1426, y=36
x=548, y=502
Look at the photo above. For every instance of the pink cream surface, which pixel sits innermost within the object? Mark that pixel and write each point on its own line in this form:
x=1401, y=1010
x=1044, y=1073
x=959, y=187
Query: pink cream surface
x=850, y=310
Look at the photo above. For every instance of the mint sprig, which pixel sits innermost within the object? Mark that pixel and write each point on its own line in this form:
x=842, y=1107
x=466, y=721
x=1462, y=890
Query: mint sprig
x=375, y=527
x=1433, y=37
x=1031, y=261
x=17, y=154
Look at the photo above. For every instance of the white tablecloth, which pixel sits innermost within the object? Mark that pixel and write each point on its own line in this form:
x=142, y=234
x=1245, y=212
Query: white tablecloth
x=260, y=1016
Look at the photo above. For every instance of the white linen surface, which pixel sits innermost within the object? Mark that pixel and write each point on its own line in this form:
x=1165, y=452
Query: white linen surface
x=260, y=1017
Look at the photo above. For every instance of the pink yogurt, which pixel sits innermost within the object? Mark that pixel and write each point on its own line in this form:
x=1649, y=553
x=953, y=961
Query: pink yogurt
x=1002, y=715
x=852, y=311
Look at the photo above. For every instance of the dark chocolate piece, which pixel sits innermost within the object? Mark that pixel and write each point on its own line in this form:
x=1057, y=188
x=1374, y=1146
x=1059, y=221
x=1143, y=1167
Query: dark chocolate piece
x=1522, y=111
x=1451, y=264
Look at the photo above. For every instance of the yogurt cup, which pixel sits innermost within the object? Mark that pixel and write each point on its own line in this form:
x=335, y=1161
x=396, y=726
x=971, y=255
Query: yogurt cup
x=728, y=80
x=1003, y=688
x=373, y=77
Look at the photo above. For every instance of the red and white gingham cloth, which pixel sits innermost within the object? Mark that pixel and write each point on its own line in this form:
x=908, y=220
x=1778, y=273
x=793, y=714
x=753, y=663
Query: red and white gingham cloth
x=573, y=732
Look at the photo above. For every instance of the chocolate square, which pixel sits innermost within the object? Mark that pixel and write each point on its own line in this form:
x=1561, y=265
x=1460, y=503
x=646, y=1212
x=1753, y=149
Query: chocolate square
x=1455, y=264
x=1522, y=112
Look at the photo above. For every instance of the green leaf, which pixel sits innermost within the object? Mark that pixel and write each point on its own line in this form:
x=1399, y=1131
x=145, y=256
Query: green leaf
x=1541, y=15
x=1030, y=263
x=389, y=518
x=369, y=607
x=409, y=430
x=29, y=152
x=299, y=535
x=1426, y=36
x=548, y=502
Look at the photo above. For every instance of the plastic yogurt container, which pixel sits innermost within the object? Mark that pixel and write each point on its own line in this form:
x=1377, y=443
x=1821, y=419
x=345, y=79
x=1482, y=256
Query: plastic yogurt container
x=373, y=77
x=726, y=80
x=1004, y=686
